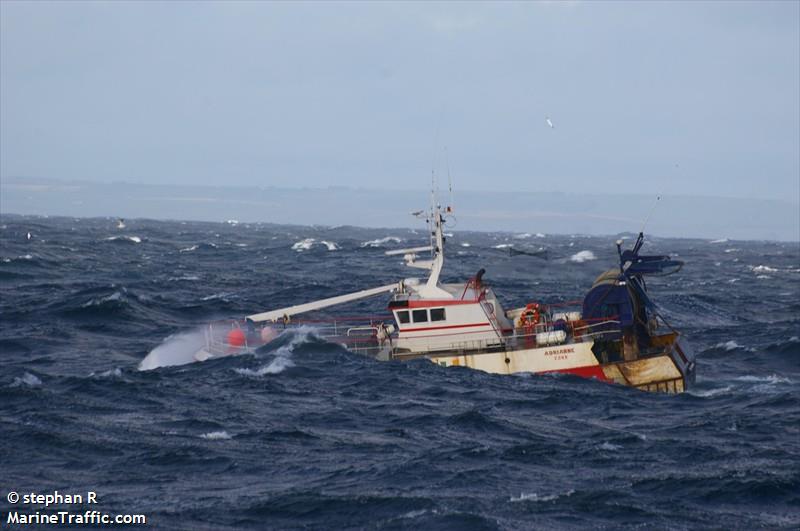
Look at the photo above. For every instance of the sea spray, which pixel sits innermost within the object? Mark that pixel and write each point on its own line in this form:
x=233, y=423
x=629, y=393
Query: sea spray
x=178, y=349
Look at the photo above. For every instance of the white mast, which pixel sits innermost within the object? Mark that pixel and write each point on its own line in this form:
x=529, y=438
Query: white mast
x=431, y=289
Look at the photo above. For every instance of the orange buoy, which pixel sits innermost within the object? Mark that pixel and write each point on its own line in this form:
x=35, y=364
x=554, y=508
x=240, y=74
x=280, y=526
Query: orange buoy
x=236, y=337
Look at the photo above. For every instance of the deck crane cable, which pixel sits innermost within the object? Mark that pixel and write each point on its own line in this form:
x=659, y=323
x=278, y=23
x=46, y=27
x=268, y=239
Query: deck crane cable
x=652, y=209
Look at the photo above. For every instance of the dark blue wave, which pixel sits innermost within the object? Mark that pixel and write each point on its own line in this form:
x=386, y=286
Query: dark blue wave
x=306, y=435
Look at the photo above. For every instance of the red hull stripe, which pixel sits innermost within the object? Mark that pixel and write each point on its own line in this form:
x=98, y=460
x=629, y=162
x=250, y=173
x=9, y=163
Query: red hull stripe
x=442, y=327
x=589, y=371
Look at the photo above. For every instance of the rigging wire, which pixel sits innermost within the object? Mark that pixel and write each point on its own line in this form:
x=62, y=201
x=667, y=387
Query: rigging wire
x=652, y=209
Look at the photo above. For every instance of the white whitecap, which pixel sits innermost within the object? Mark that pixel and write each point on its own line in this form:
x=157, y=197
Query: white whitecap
x=609, y=447
x=283, y=356
x=728, y=345
x=582, y=256
x=465, y=244
x=134, y=239
x=308, y=243
x=303, y=245
x=216, y=435
x=711, y=392
x=26, y=380
x=414, y=514
x=534, y=497
x=503, y=246
x=762, y=269
x=111, y=373
x=222, y=295
x=772, y=379
x=276, y=366
x=189, y=249
x=108, y=298
x=721, y=240
x=382, y=241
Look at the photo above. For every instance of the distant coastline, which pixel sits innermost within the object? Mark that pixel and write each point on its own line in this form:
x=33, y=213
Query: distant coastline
x=549, y=212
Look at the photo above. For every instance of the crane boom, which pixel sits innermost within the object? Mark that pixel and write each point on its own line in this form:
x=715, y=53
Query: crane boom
x=280, y=313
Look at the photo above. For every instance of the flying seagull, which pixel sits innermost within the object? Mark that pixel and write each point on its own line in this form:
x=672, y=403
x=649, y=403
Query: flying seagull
x=547, y=119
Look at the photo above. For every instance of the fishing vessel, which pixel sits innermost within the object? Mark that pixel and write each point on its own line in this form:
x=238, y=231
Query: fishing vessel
x=615, y=334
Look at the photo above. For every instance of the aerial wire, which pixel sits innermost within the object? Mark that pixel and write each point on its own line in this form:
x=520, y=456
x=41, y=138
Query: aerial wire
x=652, y=209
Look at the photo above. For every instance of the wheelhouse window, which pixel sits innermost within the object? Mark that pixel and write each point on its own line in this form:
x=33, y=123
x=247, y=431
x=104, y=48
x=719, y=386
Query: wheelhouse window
x=402, y=317
x=420, y=316
x=437, y=314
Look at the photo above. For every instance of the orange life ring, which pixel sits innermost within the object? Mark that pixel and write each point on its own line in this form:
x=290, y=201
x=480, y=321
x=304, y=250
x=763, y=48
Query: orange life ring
x=530, y=316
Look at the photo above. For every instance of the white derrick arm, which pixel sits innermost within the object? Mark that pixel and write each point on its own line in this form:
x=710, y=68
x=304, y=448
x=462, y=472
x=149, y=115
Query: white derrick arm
x=413, y=250
x=276, y=315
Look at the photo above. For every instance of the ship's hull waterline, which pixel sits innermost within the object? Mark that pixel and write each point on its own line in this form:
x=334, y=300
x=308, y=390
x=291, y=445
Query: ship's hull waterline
x=670, y=371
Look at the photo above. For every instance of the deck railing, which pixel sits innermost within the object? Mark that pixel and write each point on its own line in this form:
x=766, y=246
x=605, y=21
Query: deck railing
x=366, y=337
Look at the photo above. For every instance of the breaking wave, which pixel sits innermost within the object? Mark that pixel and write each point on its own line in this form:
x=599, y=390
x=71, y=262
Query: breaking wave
x=276, y=366
x=282, y=357
x=308, y=243
x=132, y=239
x=380, y=242
x=728, y=345
x=583, y=256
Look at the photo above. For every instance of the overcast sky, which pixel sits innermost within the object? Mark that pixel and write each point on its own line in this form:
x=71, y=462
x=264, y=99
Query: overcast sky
x=672, y=97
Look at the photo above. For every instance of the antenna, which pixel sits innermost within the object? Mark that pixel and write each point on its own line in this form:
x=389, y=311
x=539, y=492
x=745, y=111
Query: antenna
x=647, y=219
x=435, y=151
x=451, y=206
